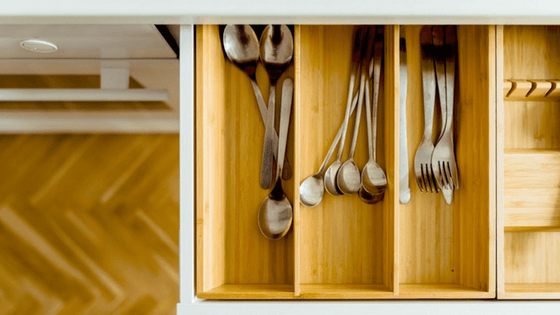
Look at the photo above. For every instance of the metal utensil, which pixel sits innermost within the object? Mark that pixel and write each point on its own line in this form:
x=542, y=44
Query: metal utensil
x=443, y=157
x=275, y=212
x=374, y=179
x=404, y=187
x=312, y=188
x=330, y=176
x=348, y=178
x=423, y=158
x=277, y=49
x=242, y=49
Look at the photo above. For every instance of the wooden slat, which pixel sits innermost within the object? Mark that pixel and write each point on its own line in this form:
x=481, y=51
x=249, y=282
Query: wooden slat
x=391, y=208
x=500, y=93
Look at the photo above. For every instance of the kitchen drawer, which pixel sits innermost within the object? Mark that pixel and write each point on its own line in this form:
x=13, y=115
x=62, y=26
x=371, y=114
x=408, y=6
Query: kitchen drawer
x=343, y=248
x=529, y=162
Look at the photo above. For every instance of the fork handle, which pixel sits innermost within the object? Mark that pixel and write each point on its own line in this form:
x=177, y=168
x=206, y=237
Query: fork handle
x=429, y=91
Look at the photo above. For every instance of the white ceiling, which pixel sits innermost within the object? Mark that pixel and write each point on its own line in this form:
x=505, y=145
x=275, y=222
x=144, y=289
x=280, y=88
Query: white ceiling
x=140, y=41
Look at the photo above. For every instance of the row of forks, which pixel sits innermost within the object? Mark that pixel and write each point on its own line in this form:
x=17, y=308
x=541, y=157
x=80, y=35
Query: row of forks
x=435, y=166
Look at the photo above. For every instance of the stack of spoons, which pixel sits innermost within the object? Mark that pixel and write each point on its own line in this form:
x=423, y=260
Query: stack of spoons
x=275, y=50
x=345, y=178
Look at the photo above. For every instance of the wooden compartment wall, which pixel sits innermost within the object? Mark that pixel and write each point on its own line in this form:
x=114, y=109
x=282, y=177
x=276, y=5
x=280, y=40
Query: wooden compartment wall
x=448, y=251
x=529, y=162
x=343, y=248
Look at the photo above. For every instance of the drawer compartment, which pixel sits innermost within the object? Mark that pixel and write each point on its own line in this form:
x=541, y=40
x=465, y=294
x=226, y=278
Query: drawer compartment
x=528, y=162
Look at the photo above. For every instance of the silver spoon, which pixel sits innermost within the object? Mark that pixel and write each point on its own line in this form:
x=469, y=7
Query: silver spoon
x=348, y=178
x=277, y=49
x=242, y=49
x=275, y=213
x=330, y=176
x=373, y=177
x=312, y=188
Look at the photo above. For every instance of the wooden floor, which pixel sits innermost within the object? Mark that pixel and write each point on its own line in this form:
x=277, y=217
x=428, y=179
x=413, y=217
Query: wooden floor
x=89, y=224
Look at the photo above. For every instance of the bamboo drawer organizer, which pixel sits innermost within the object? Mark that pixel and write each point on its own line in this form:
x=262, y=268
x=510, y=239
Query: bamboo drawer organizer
x=528, y=163
x=343, y=248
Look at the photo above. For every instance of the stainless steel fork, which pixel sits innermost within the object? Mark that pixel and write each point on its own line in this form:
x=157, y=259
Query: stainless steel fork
x=443, y=157
x=423, y=158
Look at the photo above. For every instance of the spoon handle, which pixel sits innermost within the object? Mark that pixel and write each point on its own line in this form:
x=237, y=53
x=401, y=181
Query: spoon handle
x=268, y=148
x=287, y=174
x=336, y=139
x=358, y=115
x=285, y=111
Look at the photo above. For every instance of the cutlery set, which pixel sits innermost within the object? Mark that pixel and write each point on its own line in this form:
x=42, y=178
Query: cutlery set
x=435, y=167
x=275, y=50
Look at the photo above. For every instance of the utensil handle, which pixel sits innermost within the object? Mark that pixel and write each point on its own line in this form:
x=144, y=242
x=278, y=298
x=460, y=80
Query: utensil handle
x=268, y=148
x=376, y=85
x=336, y=139
x=285, y=111
x=429, y=91
x=404, y=186
x=358, y=114
x=287, y=170
x=438, y=40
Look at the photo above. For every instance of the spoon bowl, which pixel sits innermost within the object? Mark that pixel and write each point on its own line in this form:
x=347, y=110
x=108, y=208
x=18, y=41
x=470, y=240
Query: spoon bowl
x=311, y=191
x=348, y=178
x=276, y=49
x=373, y=177
x=242, y=47
x=370, y=198
x=275, y=214
x=330, y=179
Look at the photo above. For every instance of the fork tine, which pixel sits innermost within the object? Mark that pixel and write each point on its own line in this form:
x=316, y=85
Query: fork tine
x=455, y=176
x=429, y=177
x=437, y=175
x=420, y=179
x=432, y=179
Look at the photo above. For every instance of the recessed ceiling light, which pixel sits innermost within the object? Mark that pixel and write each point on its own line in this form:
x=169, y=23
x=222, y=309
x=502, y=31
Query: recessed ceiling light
x=38, y=46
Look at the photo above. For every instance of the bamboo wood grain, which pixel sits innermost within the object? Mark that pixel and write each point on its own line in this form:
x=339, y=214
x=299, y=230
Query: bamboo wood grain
x=528, y=216
x=391, y=208
x=500, y=94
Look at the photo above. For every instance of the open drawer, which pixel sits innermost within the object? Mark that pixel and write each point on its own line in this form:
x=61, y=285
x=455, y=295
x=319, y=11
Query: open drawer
x=343, y=248
x=529, y=162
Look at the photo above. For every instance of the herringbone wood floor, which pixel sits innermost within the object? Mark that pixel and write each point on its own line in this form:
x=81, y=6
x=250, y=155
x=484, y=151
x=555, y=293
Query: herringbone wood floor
x=89, y=224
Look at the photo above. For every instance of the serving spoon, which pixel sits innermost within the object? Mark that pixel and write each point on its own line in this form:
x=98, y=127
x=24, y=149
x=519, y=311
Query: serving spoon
x=275, y=212
x=242, y=49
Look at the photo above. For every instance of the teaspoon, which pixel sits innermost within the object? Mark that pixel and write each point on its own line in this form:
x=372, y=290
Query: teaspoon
x=275, y=212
